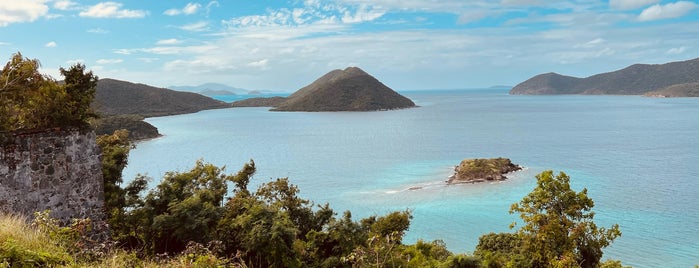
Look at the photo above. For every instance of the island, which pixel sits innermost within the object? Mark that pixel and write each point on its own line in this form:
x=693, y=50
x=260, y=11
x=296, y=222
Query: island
x=350, y=89
x=482, y=170
x=674, y=79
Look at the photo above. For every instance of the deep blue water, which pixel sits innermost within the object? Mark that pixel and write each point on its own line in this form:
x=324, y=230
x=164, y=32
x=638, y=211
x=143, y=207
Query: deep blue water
x=638, y=157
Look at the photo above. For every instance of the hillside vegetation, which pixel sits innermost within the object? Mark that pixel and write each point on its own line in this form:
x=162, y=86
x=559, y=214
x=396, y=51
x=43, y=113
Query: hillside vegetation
x=259, y=102
x=115, y=97
x=636, y=79
x=680, y=90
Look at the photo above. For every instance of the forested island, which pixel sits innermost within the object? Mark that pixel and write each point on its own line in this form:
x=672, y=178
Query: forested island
x=482, y=170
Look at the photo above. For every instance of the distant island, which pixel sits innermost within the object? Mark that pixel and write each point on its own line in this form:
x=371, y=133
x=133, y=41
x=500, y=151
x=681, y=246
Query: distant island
x=216, y=92
x=482, y=170
x=350, y=89
x=674, y=79
x=211, y=89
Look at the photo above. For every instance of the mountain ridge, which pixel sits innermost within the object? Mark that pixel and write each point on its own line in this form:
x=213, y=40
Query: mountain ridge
x=636, y=79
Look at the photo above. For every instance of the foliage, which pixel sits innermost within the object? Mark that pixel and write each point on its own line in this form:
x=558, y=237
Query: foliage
x=559, y=228
x=30, y=100
x=22, y=245
x=501, y=250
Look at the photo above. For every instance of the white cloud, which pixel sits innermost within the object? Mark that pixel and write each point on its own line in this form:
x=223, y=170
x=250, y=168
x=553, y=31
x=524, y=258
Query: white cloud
x=75, y=61
x=196, y=27
x=259, y=64
x=21, y=11
x=64, y=5
x=109, y=61
x=592, y=43
x=111, y=10
x=362, y=14
x=171, y=41
x=676, y=50
x=123, y=51
x=210, y=5
x=667, y=11
x=97, y=31
x=630, y=4
x=148, y=60
x=172, y=12
x=51, y=44
x=189, y=9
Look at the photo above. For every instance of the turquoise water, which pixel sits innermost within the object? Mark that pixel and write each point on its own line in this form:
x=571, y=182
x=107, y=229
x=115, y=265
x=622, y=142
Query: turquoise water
x=637, y=156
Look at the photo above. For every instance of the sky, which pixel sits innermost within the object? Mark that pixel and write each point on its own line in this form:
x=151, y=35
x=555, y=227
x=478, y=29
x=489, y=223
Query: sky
x=284, y=45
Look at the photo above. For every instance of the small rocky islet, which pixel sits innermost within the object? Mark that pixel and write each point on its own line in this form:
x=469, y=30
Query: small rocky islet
x=482, y=170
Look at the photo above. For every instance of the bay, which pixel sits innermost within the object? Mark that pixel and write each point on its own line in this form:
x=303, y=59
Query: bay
x=636, y=156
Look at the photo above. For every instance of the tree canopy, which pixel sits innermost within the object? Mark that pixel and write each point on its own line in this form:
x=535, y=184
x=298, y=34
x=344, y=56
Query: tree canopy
x=558, y=230
x=30, y=100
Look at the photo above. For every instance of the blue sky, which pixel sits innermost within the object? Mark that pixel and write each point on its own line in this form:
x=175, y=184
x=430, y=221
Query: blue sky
x=408, y=44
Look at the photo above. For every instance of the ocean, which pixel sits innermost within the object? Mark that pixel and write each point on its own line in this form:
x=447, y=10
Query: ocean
x=638, y=157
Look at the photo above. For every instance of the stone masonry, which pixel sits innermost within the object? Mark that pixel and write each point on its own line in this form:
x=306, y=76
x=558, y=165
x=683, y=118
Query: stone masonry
x=54, y=169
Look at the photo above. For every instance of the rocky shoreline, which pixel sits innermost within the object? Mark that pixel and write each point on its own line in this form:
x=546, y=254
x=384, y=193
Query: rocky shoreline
x=482, y=170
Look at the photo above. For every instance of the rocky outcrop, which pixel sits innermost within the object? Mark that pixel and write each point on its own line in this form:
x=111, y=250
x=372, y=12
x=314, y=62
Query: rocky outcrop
x=350, y=89
x=482, y=170
x=56, y=170
x=636, y=79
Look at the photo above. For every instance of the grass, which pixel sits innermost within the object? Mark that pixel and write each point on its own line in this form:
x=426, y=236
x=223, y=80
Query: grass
x=26, y=246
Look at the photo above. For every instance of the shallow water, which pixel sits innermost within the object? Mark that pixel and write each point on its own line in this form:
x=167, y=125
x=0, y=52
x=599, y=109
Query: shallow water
x=637, y=156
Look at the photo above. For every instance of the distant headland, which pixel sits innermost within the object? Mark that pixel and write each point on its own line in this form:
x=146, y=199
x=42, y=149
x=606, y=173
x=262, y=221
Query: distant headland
x=674, y=79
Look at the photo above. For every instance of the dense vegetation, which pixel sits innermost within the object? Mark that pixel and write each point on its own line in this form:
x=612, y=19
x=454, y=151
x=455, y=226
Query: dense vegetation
x=636, y=79
x=32, y=101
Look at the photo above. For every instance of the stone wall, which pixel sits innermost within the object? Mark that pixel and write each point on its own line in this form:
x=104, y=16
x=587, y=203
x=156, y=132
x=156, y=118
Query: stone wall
x=56, y=170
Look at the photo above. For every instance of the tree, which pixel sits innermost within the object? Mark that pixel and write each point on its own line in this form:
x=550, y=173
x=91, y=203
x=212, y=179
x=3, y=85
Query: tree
x=184, y=207
x=30, y=100
x=558, y=226
x=80, y=86
x=20, y=82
